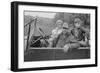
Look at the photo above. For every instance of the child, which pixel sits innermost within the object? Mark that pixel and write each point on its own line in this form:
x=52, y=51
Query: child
x=55, y=33
x=78, y=36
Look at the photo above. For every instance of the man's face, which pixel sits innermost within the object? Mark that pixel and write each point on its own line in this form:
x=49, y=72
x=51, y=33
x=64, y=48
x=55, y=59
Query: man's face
x=77, y=22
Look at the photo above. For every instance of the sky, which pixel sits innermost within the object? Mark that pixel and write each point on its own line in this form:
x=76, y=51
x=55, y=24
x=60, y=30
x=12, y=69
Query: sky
x=40, y=14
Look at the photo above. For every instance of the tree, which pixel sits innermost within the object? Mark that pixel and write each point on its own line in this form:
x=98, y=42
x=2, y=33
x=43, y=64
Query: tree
x=69, y=18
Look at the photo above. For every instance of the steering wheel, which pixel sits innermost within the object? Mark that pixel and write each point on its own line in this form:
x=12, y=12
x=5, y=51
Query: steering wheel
x=43, y=35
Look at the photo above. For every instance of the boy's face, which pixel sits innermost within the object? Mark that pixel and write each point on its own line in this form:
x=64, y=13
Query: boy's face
x=77, y=22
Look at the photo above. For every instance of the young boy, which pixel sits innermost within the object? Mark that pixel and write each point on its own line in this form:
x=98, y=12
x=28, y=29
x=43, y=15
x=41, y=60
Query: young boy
x=64, y=36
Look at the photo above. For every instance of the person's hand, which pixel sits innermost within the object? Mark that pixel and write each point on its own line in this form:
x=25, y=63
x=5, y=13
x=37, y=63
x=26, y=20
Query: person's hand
x=66, y=48
x=89, y=42
x=82, y=42
x=42, y=40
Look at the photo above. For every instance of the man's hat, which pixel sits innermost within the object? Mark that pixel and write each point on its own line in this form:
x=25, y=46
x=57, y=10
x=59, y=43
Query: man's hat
x=65, y=25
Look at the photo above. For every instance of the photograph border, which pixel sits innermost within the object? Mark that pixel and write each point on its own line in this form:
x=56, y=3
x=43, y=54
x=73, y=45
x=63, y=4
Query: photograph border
x=14, y=35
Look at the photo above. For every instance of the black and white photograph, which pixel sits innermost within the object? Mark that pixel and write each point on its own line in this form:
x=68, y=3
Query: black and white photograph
x=56, y=36
x=53, y=36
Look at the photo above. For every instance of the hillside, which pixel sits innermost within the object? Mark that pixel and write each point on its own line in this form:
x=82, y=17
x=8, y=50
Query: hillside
x=46, y=24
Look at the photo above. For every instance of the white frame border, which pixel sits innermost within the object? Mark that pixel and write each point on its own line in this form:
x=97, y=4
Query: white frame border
x=22, y=64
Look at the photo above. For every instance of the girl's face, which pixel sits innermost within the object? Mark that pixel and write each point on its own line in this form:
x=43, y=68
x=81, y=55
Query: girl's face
x=77, y=23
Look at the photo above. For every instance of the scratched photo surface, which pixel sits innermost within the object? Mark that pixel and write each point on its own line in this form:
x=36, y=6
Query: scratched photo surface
x=56, y=36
